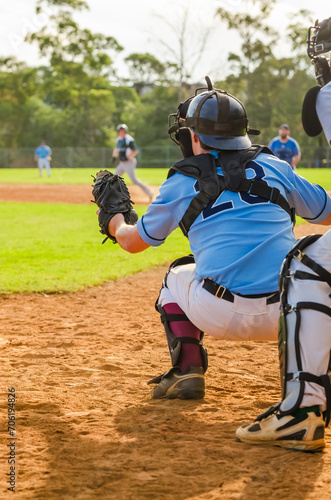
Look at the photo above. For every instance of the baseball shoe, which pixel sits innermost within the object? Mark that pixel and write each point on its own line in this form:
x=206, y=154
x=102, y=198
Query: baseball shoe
x=182, y=385
x=301, y=433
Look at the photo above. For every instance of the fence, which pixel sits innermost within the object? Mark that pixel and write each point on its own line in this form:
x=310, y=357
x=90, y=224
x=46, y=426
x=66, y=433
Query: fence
x=148, y=157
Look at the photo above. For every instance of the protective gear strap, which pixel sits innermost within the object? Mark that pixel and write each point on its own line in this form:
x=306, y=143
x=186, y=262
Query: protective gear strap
x=323, y=273
x=322, y=380
x=203, y=167
x=175, y=343
x=315, y=306
x=183, y=137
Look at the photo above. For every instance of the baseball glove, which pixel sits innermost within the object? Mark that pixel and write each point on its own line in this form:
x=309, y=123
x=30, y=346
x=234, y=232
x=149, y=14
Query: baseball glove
x=112, y=197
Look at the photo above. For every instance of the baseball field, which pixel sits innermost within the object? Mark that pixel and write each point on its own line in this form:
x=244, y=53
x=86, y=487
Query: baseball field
x=79, y=340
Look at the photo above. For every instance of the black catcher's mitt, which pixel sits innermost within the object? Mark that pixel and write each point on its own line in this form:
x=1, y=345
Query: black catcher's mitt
x=112, y=197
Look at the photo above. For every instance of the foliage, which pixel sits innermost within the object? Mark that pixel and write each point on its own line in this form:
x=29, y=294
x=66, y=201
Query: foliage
x=144, y=67
x=77, y=99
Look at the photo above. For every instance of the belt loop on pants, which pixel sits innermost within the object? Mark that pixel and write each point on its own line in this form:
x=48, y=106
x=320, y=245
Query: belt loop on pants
x=221, y=292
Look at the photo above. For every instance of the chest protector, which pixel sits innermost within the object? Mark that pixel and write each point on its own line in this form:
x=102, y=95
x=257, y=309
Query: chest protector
x=234, y=163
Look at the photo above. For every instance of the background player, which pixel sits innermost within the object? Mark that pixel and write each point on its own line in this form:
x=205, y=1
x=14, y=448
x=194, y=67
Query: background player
x=42, y=156
x=238, y=239
x=126, y=151
x=285, y=147
x=298, y=421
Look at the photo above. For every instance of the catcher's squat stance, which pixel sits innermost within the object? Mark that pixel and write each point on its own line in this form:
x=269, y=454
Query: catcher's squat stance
x=234, y=202
x=298, y=421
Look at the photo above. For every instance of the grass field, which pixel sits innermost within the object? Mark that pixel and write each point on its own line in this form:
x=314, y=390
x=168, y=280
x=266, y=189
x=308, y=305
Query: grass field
x=52, y=247
x=57, y=248
x=153, y=176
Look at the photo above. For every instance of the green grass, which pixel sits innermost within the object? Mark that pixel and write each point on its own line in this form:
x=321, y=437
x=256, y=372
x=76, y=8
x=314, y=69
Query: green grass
x=55, y=248
x=321, y=176
x=152, y=176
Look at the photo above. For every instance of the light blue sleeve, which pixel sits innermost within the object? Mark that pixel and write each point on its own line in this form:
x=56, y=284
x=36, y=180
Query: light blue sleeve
x=311, y=201
x=163, y=215
x=37, y=151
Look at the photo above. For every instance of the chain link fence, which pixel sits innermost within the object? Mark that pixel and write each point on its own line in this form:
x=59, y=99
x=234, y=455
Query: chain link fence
x=78, y=157
x=148, y=157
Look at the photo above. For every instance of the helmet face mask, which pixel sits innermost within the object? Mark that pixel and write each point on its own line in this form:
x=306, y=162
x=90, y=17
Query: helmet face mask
x=319, y=38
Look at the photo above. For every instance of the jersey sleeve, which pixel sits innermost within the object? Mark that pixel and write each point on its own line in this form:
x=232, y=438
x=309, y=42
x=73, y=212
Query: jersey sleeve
x=156, y=225
x=163, y=215
x=296, y=148
x=311, y=201
x=132, y=145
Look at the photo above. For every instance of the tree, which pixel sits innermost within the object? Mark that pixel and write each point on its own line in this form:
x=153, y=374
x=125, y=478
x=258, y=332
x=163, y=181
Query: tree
x=257, y=36
x=145, y=68
x=184, y=46
x=63, y=41
x=77, y=78
x=17, y=84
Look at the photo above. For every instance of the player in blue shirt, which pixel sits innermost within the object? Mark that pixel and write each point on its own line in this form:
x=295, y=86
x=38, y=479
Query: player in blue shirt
x=42, y=156
x=233, y=201
x=285, y=147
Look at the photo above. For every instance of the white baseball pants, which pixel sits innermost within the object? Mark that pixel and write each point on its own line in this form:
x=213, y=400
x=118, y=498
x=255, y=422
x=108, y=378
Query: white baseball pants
x=129, y=167
x=244, y=319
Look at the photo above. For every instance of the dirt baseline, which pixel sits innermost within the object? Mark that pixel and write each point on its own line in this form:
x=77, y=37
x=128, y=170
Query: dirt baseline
x=61, y=193
x=86, y=427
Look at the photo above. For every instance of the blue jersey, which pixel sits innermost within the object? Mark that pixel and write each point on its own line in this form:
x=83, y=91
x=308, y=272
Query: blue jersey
x=43, y=151
x=240, y=240
x=284, y=150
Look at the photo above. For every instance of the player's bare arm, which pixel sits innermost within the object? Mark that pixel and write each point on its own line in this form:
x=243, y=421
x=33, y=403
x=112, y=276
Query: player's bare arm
x=327, y=221
x=295, y=160
x=127, y=236
x=132, y=154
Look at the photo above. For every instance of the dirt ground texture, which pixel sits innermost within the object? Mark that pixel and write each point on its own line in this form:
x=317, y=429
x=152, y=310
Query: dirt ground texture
x=85, y=424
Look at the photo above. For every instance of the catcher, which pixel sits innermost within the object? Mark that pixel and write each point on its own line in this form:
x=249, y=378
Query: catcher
x=298, y=421
x=234, y=201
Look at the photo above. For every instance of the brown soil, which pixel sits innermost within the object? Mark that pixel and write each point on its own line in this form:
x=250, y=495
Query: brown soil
x=86, y=427
x=60, y=193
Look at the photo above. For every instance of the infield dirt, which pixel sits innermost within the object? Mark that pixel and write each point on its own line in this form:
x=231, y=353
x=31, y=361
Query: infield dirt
x=86, y=427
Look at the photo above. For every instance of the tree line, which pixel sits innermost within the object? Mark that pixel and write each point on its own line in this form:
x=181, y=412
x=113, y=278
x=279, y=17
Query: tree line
x=77, y=99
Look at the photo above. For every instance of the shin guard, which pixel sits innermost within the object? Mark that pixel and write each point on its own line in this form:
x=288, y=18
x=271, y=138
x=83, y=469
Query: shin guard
x=293, y=374
x=175, y=343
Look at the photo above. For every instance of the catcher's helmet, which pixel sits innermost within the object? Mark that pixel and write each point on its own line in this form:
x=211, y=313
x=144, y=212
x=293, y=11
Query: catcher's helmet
x=122, y=126
x=319, y=38
x=219, y=120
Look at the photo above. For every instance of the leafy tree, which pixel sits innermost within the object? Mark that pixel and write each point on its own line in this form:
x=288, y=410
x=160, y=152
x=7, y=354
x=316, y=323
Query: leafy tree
x=17, y=84
x=257, y=36
x=77, y=78
x=145, y=68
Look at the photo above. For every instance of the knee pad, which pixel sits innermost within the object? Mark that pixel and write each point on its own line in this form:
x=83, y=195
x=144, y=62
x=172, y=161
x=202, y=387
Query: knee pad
x=293, y=376
x=182, y=261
